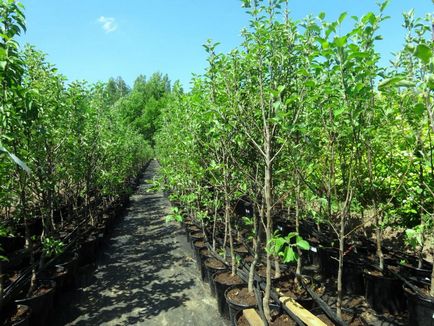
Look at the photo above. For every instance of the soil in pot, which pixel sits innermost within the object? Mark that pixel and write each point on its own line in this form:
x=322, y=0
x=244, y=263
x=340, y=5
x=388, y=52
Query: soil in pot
x=277, y=319
x=241, y=250
x=262, y=272
x=350, y=319
x=239, y=298
x=40, y=302
x=213, y=265
x=248, y=260
x=222, y=281
x=420, y=307
x=193, y=229
x=384, y=292
x=195, y=236
x=19, y=316
x=409, y=271
x=287, y=287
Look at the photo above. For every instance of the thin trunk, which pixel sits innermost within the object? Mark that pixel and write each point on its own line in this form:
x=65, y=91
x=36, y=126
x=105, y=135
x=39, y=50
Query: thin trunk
x=341, y=265
x=225, y=238
x=231, y=240
x=379, y=236
x=1, y=288
x=378, y=219
x=214, y=223
x=268, y=229
x=277, y=272
x=297, y=224
x=29, y=247
x=256, y=242
x=421, y=212
x=431, y=293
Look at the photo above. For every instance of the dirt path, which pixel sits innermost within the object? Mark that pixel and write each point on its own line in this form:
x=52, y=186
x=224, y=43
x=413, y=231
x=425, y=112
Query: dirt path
x=146, y=275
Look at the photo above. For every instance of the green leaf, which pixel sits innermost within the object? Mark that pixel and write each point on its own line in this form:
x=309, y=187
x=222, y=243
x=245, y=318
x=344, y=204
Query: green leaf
x=289, y=255
x=419, y=109
x=340, y=41
x=384, y=5
x=20, y=163
x=302, y=244
x=342, y=17
x=278, y=244
x=423, y=52
x=15, y=159
x=397, y=81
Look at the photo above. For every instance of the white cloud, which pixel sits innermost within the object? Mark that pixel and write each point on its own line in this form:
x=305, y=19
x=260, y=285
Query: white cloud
x=108, y=24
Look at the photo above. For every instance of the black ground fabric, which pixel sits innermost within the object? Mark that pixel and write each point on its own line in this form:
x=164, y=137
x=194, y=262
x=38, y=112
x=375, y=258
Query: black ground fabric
x=146, y=274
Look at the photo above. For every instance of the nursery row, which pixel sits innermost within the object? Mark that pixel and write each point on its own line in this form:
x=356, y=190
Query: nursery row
x=68, y=152
x=301, y=124
x=372, y=298
x=61, y=273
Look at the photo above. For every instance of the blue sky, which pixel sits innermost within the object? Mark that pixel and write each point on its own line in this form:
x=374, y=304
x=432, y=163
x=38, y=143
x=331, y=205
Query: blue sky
x=98, y=39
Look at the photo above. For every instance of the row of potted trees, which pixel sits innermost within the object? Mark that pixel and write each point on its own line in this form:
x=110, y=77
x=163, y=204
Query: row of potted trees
x=68, y=153
x=303, y=126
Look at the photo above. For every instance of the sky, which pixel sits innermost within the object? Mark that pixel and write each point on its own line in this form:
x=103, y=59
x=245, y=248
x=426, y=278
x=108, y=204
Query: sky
x=94, y=40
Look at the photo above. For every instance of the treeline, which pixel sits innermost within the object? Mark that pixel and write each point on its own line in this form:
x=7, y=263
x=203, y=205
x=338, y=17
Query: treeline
x=303, y=121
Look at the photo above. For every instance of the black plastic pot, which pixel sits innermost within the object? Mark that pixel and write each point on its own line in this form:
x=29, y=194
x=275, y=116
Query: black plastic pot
x=241, y=250
x=16, y=260
x=196, y=236
x=220, y=289
x=311, y=257
x=327, y=262
x=235, y=307
x=58, y=274
x=420, y=308
x=197, y=246
x=88, y=250
x=210, y=270
x=70, y=262
x=41, y=305
x=384, y=293
x=410, y=271
x=352, y=279
x=238, y=316
x=9, y=244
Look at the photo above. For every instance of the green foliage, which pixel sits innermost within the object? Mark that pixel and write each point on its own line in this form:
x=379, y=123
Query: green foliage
x=174, y=216
x=52, y=247
x=71, y=140
x=285, y=247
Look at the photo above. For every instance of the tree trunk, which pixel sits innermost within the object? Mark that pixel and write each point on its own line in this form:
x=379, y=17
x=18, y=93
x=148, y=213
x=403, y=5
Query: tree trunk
x=214, y=223
x=231, y=240
x=379, y=237
x=256, y=242
x=268, y=229
x=1, y=288
x=341, y=265
x=297, y=224
x=431, y=293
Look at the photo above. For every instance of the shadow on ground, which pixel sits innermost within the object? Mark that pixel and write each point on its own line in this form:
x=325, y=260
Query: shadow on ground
x=146, y=274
